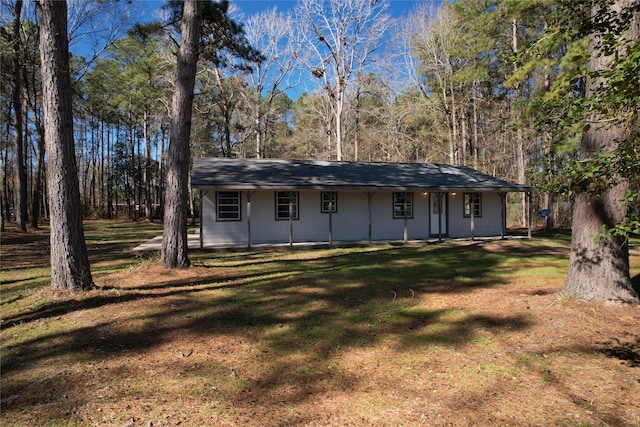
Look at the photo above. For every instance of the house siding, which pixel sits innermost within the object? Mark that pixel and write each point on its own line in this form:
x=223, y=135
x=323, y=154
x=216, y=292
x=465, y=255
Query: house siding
x=349, y=223
x=489, y=224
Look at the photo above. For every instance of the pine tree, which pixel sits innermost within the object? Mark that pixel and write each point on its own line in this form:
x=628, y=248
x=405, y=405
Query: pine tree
x=69, y=262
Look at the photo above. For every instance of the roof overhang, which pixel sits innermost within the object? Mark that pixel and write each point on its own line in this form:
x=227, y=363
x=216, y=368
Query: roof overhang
x=288, y=175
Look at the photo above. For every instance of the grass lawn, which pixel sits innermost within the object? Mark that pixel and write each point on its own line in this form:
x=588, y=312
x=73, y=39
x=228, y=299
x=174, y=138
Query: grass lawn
x=457, y=333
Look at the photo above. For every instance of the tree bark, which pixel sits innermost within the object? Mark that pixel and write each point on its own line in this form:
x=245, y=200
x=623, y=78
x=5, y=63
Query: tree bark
x=38, y=184
x=148, y=204
x=517, y=116
x=21, y=168
x=599, y=268
x=69, y=262
x=476, y=139
x=174, y=242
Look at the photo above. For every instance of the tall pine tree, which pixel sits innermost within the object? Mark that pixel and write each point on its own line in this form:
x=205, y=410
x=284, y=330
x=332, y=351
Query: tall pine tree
x=69, y=262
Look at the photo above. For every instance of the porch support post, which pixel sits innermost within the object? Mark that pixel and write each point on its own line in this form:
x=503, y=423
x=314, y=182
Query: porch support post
x=369, y=197
x=472, y=209
x=291, y=193
x=439, y=196
x=330, y=222
x=503, y=216
x=249, y=194
x=201, y=216
x=529, y=214
x=405, y=235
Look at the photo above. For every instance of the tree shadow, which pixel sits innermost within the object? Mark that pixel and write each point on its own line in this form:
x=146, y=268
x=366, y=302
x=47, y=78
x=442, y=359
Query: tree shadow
x=319, y=306
x=635, y=282
x=627, y=352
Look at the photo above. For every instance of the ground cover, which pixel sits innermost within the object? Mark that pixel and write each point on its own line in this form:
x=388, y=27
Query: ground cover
x=457, y=333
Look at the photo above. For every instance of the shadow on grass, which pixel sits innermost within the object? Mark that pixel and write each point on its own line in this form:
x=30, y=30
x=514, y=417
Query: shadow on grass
x=635, y=282
x=351, y=287
x=288, y=303
x=379, y=272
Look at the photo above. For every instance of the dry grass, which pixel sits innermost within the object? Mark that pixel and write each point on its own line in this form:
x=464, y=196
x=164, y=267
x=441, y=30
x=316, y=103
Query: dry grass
x=471, y=333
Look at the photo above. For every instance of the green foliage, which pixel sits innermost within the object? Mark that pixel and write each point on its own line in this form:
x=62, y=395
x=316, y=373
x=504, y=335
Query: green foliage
x=565, y=113
x=598, y=174
x=220, y=35
x=595, y=175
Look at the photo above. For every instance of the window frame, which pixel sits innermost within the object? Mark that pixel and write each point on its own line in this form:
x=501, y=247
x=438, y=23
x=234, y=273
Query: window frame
x=296, y=208
x=238, y=205
x=469, y=199
x=324, y=202
x=399, y=207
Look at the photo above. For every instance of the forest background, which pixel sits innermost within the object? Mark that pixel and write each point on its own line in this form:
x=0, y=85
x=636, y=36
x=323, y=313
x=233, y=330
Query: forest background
x=484, y=83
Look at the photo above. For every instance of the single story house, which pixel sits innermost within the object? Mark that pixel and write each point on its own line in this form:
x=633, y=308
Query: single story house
x=269, y=201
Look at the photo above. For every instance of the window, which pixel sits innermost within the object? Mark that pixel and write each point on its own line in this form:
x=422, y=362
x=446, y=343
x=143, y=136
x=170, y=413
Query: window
x=472, y=201
x=286, y=200
x=228, y=206
x=436, y=205
x=329, y=202
x=402, y=205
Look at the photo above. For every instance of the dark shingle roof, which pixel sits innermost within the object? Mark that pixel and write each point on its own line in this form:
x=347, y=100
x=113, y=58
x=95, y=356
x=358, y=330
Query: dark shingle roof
x=273, y=174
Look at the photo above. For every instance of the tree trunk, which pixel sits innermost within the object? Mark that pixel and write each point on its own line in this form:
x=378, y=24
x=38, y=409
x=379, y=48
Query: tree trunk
x=174, y=242
x=163, y=138
x=148, y=204
x=5, y=182
x=338, y=115
x=37, y=186
x=133, y=212
x=356, y=120
x=476, y=139
x=454, y=129
x=599, y=268
x=2, y=229
x=69, y=262
x=110, y=213
x=258, y=128
x=21, y=168
x=517, y=114
x=463, y=129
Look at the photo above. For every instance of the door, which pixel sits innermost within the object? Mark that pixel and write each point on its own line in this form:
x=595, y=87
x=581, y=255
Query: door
x=438, y=212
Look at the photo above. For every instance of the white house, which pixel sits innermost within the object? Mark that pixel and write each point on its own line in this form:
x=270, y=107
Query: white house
x=250, y=201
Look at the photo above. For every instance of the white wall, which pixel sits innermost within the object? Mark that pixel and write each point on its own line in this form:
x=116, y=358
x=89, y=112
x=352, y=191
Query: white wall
x=486, y=225
x=350, y=223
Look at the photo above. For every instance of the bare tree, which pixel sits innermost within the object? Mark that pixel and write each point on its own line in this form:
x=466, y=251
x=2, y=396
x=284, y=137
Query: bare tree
x=274, y=35
x=342, y=36
x=429, y=34
x=69, y=262
x=97, y=25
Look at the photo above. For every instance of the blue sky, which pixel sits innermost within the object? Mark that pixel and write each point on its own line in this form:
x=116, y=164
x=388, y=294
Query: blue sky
x=249, y=7
x=145, y=10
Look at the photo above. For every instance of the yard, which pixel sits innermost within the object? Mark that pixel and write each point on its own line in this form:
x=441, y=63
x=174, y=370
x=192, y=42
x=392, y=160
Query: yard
x=456, y=333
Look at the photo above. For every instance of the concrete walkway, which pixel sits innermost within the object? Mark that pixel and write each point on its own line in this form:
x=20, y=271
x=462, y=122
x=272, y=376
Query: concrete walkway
x=193, y=241
x=155, y=244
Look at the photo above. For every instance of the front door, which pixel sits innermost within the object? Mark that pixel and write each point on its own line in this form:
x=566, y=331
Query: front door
x=438, y=214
